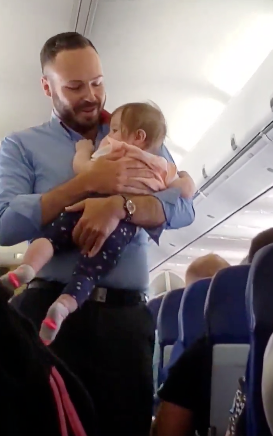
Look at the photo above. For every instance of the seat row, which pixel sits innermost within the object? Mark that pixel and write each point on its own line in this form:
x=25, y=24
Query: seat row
x=235, y=310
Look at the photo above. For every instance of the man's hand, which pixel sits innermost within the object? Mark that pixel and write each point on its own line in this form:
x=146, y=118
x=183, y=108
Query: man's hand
x=100, y=218
x=108, y=175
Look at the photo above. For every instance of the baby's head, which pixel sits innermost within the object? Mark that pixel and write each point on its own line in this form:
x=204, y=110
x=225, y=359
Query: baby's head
x=139, y=124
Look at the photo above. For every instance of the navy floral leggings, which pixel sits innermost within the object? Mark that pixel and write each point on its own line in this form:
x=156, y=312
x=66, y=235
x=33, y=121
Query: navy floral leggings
x=88, y=270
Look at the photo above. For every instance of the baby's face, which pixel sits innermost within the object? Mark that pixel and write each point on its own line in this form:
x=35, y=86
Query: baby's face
x=115, y=127
x=120, y=135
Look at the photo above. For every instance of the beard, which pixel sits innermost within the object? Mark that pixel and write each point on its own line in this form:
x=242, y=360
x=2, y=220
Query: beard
x=70, y=116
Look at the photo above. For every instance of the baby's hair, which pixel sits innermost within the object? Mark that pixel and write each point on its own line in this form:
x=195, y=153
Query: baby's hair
x=144, y=116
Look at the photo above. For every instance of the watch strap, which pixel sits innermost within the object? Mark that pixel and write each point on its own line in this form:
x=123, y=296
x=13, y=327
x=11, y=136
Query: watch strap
x=128, y=216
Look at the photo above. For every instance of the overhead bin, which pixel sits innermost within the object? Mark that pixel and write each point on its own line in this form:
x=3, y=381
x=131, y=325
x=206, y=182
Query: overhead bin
x=232, y=164
x=245, y=116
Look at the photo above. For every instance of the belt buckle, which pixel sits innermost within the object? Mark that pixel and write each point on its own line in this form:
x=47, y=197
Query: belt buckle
x=101, y=294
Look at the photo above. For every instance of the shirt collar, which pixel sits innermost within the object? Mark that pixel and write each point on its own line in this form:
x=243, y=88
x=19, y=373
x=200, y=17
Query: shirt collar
x=103, y=129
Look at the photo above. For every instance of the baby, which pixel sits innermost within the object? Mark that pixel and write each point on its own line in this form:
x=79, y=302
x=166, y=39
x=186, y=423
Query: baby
x=138, y=131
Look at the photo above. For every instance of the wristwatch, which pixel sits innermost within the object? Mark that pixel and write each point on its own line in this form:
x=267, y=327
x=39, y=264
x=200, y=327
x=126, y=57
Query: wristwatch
x=129, y=207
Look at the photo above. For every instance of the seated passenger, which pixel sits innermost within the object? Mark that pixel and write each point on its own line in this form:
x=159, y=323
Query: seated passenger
x=181, y=411
x=38, y=396
x=203, y=267
x=185, y=407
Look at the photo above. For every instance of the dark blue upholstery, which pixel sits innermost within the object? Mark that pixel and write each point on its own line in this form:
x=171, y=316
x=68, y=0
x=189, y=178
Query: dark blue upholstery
x=191, y=312
x=191, y=323
x=225, y=309
x=259, y=301
x=167, y=323
x=154, y=306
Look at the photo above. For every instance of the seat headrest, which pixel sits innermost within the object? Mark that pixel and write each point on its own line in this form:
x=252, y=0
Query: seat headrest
x=259, y=295
x=259, y=303
x=167, y=323
x=267, y=383
x=154, y=306
x=225, y=309
x=191, y=323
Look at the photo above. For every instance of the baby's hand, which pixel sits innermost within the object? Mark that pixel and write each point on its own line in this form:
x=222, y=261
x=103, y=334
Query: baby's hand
x=85, y=144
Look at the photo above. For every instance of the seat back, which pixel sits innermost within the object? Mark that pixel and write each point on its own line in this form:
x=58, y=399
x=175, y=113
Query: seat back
x=267, y=384
x=228, y=365
x=227, y=328
x=191, y=319
x=191, y=323
x=259, y=303
x=168, y=323
x=154, y=306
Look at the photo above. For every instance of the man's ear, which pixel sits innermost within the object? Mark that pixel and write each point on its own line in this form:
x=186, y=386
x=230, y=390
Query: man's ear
x=140, y=136
x=46, y=86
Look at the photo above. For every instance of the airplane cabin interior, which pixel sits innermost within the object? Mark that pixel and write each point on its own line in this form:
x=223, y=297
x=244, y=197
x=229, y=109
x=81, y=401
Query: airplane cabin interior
x=208, y=64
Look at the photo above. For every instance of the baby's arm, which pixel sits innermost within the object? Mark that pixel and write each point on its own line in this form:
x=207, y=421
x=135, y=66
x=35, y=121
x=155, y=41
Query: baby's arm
x=84, y=151
x=185, y=184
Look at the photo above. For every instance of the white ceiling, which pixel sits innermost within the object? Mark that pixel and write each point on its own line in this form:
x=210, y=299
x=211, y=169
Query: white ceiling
x=24, y=27
x=189, y=56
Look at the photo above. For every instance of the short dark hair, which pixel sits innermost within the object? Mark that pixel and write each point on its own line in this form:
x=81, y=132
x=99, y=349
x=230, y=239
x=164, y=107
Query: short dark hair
x=146, y=116
x=61, y=42
x=261, y=240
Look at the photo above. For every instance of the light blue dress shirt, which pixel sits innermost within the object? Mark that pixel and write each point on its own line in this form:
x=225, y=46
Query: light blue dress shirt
x=40, y=158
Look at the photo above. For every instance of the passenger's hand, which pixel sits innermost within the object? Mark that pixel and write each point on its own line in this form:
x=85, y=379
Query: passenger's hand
x=109, y=175
x=100, y=218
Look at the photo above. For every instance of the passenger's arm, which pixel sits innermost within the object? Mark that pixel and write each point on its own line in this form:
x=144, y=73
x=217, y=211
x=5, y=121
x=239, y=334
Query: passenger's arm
x=22, y=213
x=172, y=420
x=185, y=395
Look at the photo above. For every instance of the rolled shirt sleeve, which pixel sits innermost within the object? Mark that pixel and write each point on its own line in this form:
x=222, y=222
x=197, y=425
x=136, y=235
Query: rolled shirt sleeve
x=20, y=209
x=179, y=212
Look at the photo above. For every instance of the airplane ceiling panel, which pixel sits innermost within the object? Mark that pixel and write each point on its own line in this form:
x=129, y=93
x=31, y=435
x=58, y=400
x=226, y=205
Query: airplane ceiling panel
x=24, y=27
x=190, y=57
x=231, y=239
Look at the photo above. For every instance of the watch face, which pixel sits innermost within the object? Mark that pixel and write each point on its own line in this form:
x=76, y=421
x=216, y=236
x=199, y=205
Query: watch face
x=131, y=207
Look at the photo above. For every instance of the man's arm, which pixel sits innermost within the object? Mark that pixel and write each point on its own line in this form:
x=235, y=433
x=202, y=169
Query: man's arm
x=185, y=184
x=21, y=212
x=178, y=211
x=149, y=212
x=165, y=209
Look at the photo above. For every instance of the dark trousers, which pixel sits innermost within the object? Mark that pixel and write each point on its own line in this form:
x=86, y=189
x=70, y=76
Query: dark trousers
x=110, y=348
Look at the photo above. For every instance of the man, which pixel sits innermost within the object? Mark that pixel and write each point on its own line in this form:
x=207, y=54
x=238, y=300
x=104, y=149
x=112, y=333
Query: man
x=109, y=341
x=185, y=396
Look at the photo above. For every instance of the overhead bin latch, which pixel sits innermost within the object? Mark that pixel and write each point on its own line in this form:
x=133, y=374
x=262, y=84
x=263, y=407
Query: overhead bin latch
x=271, y=104
x=204, y=173
x=233, y=144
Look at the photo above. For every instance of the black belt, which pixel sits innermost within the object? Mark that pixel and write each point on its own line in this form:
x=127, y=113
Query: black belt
x=113, y=296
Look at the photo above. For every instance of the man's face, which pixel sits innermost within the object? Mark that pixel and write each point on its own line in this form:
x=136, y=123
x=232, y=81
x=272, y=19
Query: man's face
x=74, y=81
